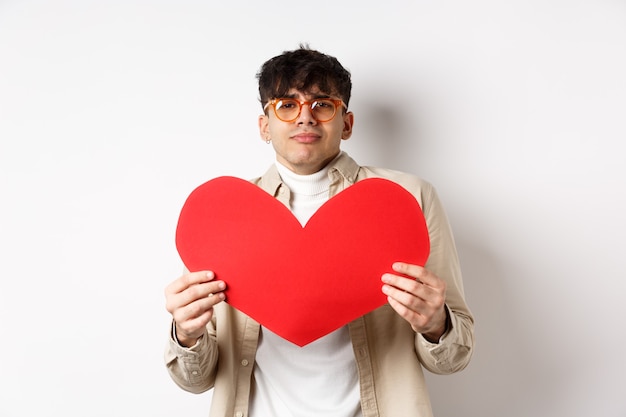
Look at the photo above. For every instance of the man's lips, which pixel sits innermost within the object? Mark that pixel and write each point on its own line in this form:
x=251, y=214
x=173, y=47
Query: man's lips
x=305, y=137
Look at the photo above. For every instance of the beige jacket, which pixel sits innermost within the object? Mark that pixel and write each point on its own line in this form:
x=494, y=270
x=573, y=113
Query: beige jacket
x=388, y=353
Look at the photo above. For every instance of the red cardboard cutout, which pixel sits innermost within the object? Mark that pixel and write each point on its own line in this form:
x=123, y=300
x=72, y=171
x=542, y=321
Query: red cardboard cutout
x=301, y=282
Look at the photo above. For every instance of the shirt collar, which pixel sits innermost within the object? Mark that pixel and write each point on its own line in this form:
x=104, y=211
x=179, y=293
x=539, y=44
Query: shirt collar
x=343, y=165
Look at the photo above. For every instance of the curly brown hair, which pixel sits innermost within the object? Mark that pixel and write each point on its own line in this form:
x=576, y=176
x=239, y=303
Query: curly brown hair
x=303, y=69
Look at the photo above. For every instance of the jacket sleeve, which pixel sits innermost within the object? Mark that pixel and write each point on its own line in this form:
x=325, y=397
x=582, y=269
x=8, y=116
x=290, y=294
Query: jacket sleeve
x=193, y=369
x=454, y=350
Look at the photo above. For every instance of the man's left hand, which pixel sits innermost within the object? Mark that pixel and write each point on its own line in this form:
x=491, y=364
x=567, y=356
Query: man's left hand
x=419, y=297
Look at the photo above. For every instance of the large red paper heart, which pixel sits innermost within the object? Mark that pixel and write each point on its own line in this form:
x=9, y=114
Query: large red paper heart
x=301, y=282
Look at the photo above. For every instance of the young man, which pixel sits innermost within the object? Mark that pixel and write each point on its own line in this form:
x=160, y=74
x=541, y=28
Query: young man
x=373, y=365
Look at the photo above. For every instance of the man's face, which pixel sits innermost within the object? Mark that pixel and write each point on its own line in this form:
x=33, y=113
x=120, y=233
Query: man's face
x=305, y=145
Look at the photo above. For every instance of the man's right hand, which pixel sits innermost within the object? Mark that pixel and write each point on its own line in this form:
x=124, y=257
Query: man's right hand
x=190, y=300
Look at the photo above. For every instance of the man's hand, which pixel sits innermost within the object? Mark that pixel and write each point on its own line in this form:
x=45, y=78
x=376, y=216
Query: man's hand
x=420, y=299
x=190, y=300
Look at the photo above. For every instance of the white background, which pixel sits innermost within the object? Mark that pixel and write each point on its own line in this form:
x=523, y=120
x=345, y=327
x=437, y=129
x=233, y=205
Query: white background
x=112, y=112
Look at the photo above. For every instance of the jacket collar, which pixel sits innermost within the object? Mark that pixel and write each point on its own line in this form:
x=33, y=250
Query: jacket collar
x=343, y=167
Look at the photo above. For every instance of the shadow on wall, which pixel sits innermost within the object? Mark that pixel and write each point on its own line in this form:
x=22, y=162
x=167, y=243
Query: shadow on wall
x=385, y=134
x=515, y=372
x=510, y=374
x=506, y=376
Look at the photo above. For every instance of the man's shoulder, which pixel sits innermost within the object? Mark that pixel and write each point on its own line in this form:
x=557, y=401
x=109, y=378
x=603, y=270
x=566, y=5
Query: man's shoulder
x=269, y=181
x=409, y=181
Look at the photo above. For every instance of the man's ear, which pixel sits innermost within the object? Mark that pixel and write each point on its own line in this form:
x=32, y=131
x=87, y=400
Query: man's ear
x=348, y=122
x=264, y=128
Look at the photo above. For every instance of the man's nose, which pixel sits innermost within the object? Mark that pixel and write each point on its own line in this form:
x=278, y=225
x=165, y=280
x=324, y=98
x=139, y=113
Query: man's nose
x=306, y=115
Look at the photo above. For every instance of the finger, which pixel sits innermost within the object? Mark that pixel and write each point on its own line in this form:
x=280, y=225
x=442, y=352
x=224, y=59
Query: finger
x=406, y=298
x=413, y=271
x=415, y=311
x=196, y=309
x=401, y=282
x=418, y=273
x=194, y=293
x=403, y=311
x=189, y=279
x=201, y=291
x=191, y=294
x=411, y=293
